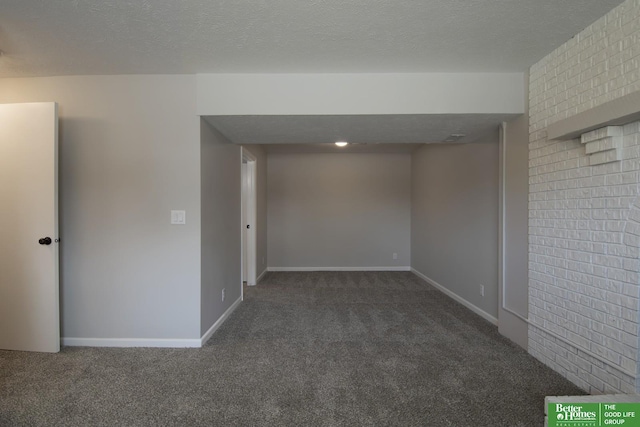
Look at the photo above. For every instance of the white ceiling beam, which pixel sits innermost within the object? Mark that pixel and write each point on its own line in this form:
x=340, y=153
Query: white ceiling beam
x=336, y=94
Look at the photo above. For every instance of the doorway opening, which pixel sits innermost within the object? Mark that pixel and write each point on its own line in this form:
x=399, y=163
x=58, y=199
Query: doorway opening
x=249, y=206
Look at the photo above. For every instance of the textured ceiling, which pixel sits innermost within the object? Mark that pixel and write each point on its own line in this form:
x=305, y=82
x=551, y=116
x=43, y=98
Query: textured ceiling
x=364, y=129
x=71, y=37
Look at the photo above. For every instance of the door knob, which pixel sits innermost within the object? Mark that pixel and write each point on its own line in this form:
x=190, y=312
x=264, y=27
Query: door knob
x=45, y=241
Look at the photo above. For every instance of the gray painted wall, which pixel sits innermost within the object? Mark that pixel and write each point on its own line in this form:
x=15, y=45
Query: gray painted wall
x=260, y=154
x=129, y=153
x=516, y=230
x=516, y=218
x=454, y=219
x=221, y=224
x=339, y=210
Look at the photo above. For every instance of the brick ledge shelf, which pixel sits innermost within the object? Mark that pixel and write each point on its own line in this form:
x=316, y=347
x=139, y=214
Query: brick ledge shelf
x=613, y=113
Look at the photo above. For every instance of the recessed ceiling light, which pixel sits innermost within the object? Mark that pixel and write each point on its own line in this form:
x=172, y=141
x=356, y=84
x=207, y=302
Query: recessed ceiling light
x=341, y=143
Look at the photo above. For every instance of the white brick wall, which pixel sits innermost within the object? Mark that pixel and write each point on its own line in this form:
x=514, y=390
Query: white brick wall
x=584, y=221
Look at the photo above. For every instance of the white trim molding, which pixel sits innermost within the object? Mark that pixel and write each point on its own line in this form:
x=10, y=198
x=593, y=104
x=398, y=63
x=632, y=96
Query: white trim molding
x=456, y=297
x=401, y=268
x=152, y=342
x=261, y=276
x=219, y=322
x=131, y=342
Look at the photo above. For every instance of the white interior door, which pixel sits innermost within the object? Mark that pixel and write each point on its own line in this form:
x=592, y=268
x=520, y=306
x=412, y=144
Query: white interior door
x=249, y=206
x=245, y=186
x=29, y=295
x=251, y=222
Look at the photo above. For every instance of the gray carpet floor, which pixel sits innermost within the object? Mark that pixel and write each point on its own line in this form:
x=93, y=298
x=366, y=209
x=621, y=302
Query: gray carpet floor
x=303, y=349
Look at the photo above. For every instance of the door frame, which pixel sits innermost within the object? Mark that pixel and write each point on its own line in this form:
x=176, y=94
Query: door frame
x=249, y=211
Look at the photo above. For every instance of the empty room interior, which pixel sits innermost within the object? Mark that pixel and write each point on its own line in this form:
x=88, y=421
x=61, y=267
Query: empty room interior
x=215, y=258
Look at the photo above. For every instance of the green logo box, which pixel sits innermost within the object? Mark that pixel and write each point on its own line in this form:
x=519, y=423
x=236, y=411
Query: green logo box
x=593, y=414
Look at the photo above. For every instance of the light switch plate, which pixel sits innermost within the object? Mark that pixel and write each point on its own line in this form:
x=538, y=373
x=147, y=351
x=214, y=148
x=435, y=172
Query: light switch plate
x=178, y=217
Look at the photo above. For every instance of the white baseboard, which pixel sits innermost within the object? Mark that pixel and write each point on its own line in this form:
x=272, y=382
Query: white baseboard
x=261, y=275
x=456, y=297
x=401, y=268
x=130, y=342
x=219, y=322
x=514, y=327
x=151, y=342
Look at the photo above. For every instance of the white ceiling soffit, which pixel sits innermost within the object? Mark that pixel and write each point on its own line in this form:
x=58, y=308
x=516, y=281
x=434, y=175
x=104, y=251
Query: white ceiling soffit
x=349, y=149
x=356, y=129
x=63, y=37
